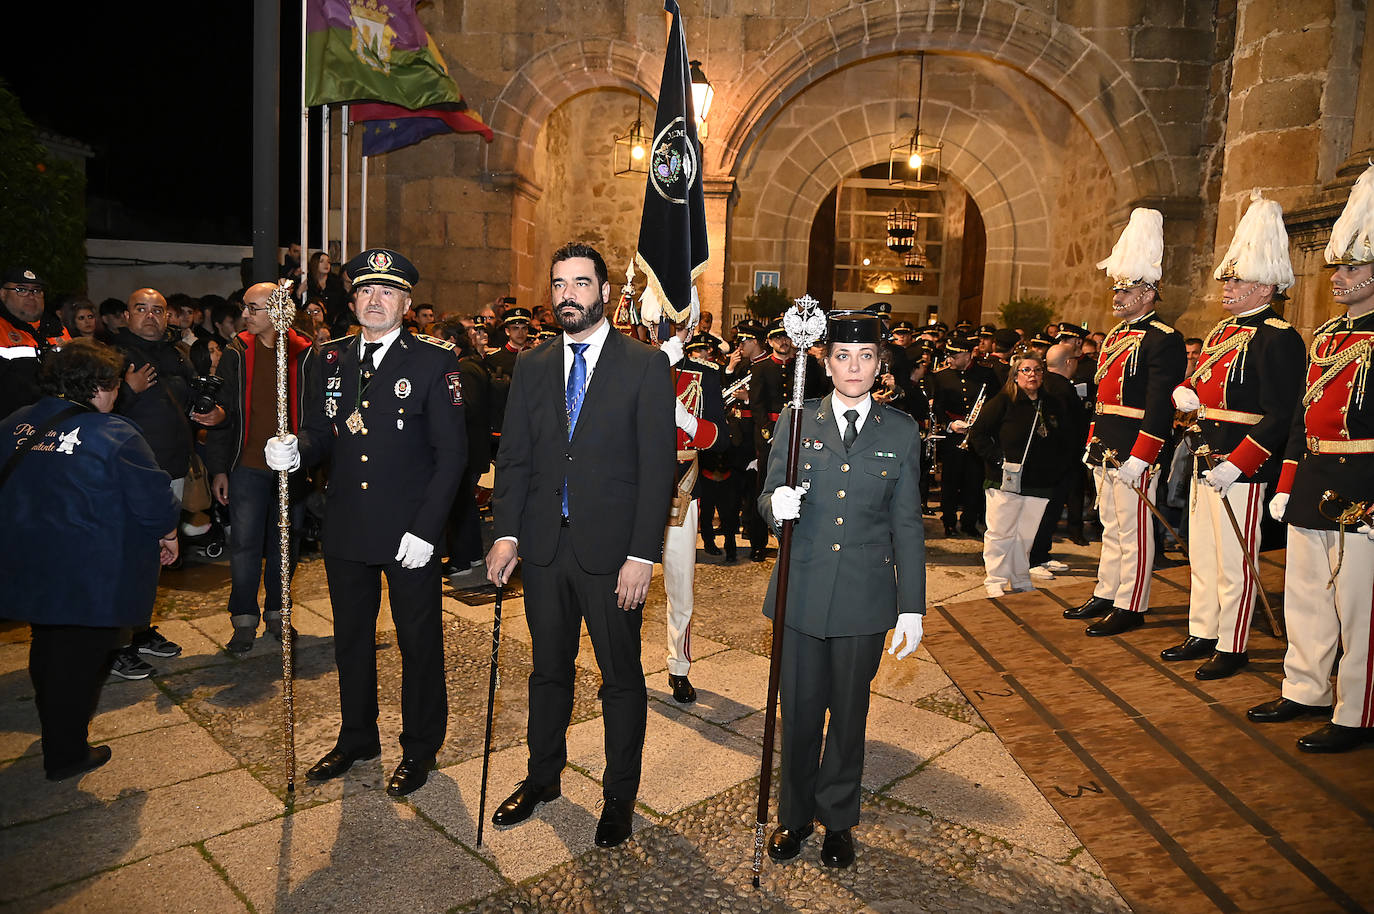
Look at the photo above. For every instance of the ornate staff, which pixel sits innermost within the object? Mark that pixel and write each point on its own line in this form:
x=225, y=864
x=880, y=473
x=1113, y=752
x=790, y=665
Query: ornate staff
x=804, y=323
x=282, y=310
x=492, y=683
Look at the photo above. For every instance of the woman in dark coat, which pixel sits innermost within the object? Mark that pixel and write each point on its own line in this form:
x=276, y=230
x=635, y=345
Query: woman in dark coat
x=1023, y=440
x=88, y=485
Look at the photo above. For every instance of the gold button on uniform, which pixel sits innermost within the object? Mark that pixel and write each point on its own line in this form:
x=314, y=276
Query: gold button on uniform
x=884, y=472
x=835, y=547
x=844, y=468
x=839, y=522
x=364, y=485
x=363, y=458
x=366, y=404
x=840, y=494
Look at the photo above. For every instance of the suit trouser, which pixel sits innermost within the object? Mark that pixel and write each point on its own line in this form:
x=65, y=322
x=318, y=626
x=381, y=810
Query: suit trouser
x=67, y=665
x=820, y=674
x=1221, y=599
x=1128, y=542
x=1319, y=618
x=1012, y=522
x=721, y=496
x=558, y=597
x=464, y=523
x=355, y=589
x=961, y=488
x=679, y=579
x=253, y=536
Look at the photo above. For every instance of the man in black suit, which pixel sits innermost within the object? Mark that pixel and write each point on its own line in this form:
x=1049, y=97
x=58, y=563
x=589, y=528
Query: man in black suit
x=584, y=479
x=397, y=432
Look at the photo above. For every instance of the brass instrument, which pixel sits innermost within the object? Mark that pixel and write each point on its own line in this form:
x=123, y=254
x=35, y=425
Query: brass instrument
x=742, y=382
x=973, y=415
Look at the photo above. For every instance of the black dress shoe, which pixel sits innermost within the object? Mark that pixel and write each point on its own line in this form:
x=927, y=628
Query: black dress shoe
x=683, y=693
x=786, y=843
x=711, y=548
x=520, y=805
x=336, y=761
x=731, y=554
x=838, y=848
x=1281, y=710
x=1222, y=664
x=95, y=757
x=409, y=776
x=1090, y=609
x=1116, y=622
x=1335, y=738
x=1191, y=649
x=758, y=555
x=951, y=531
x=1078, y=539
x=617, y=822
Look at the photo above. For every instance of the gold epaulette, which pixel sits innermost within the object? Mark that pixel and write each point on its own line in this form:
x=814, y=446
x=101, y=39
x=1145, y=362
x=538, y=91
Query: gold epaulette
x=1160, y=325
x=1278, y=323
x=434, y=341
x=338, y=339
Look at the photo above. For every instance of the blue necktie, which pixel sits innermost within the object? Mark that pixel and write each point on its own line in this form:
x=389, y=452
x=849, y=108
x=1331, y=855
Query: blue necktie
x=573, y=397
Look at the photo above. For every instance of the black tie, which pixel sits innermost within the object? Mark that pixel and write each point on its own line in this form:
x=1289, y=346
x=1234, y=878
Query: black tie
x=369, y=363
x=852, y=430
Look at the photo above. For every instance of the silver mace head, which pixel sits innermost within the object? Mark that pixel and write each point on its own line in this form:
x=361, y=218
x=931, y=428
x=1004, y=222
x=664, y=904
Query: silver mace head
x=804, y=322
x=281, y=309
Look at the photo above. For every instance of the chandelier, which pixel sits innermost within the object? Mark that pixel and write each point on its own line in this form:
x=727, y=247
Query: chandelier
x=911, y=163
x=901, y=230
x=914, y=265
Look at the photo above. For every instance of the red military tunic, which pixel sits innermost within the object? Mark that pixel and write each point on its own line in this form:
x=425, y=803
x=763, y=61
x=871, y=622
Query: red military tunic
x=1140, y=364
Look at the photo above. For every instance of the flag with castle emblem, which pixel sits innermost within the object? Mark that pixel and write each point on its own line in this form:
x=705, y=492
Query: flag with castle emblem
x=373, y=50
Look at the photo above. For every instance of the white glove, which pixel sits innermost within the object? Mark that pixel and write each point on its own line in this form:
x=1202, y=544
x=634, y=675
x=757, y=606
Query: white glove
x=684, y=418
x=909, y=630
x=1132, y=470
x=1366, y=530
x=958, y=426
x=672, y=348
x=414, y=552
x=1278, y=506
x=282, y=453
x=786, y=502
x=1185, y=399
x=1222, y=476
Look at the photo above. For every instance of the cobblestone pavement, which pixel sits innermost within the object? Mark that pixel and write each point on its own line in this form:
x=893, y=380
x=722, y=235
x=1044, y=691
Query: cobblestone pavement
x=189, y=814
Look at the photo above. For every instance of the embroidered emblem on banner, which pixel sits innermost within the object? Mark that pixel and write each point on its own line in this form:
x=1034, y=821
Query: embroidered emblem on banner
x=673, y=162
x=372, y=34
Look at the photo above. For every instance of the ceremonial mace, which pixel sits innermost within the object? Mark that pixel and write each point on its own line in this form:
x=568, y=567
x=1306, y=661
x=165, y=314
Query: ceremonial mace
x=1204, y=450
x=804, y=323
x=491, y=704
x=282, y=310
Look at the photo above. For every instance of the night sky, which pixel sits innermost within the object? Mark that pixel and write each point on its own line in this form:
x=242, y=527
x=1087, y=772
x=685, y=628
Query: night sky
x=162, y=92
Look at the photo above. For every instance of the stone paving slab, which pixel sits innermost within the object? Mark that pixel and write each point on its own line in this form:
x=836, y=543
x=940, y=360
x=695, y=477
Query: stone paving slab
x=39, y=855
x=901, y=738
x=363, y=853
x=730, y=684
x=172, y=883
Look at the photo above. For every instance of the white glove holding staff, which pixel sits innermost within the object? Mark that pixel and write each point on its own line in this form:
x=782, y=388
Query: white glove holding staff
x=1222, y=476
x=282, y=453
x=786, y=502
x=908, y=630
x=1186, y=399
x=672, y=348
x=685, y=420
x=1132, y=471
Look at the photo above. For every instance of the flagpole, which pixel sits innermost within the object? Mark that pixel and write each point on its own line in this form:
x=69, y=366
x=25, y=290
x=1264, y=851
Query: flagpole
x=324, y=178
x=305, y=153
x=343, y=184
x=362, y=206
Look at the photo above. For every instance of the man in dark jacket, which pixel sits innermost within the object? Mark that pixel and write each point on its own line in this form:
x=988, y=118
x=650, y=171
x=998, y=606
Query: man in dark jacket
x=234, y=457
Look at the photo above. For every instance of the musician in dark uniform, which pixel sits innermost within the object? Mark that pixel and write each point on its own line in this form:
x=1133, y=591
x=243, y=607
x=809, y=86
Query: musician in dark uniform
x=857, y=570
x=515, y=339
x=395, y=407
x=956, y=389
x=745, y=438
x=1243, y=390
x=1141, y=363
x=1331, y=448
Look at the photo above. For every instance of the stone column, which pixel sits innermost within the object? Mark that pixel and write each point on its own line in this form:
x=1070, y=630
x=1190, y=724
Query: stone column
x=711, y=283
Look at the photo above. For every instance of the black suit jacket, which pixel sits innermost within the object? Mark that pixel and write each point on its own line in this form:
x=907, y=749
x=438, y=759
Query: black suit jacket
x=619, y=464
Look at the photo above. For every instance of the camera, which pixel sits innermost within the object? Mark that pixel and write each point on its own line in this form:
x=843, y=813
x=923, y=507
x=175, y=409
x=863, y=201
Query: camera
x=203, y=390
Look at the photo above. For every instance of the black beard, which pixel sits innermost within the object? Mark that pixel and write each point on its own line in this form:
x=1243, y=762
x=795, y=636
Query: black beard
x=583, y=319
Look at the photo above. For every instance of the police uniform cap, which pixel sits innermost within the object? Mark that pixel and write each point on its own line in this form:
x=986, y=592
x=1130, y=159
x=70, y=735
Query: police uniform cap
x=854, y=327
x=880, y=308
x=987, y=330
x=749, y=330
x=1067, y=329
x=546, y=334
x=776, y=329
x=903, y=327
x=514, y=315
x=941, y=326
x=1006, y=338
x=700, y=341
x=960, y=342
x=964, y=327
x=381, y=267
x=26, y=275
x=1040, y=339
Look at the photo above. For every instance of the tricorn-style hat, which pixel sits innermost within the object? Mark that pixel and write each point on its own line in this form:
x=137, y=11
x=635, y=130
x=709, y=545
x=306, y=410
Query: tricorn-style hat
x=381, y=267
x=1138, y=256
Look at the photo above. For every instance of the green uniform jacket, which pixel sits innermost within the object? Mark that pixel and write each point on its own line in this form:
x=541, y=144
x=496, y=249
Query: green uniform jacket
x=858, y=548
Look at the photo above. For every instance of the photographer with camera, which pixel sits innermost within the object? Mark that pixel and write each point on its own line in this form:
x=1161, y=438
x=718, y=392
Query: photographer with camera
x=236, y=461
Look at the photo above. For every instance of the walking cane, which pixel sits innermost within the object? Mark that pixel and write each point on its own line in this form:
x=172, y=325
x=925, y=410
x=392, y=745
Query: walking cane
x=492, y=682
x=282, y=310
x=804, y=323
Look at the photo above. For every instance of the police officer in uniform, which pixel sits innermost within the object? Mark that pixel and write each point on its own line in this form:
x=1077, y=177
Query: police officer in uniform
x=858, y=569
x=1331, y=448
x=1141, y=363
x=956, y=390
x=394, y=402
x=26, y=332
x=1244, y=390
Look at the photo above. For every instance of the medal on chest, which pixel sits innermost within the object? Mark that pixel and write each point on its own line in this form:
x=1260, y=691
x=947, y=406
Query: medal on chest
x=354, y=422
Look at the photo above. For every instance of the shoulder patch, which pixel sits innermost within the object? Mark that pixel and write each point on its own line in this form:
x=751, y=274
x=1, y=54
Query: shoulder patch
x=1160, y=325
x=1277, y=323
x=434, y=341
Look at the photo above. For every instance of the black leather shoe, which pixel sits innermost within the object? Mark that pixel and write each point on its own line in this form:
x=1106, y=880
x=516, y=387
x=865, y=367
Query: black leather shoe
x=521, y=804
x=95, y=757
x=838, y=848
x=1089, y=609
x=951, y=531
x=683, y=693
x=1335, y=738
x=1191, y=649
x=336, y=761
x=711, y=548
x=409, y=776
x=617, y=822
x=758, y=555
x=1222, y=664
x=786, y=843
x=241, y=642
x=1281, y=710
x=1116, y=622
x=731, y=553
